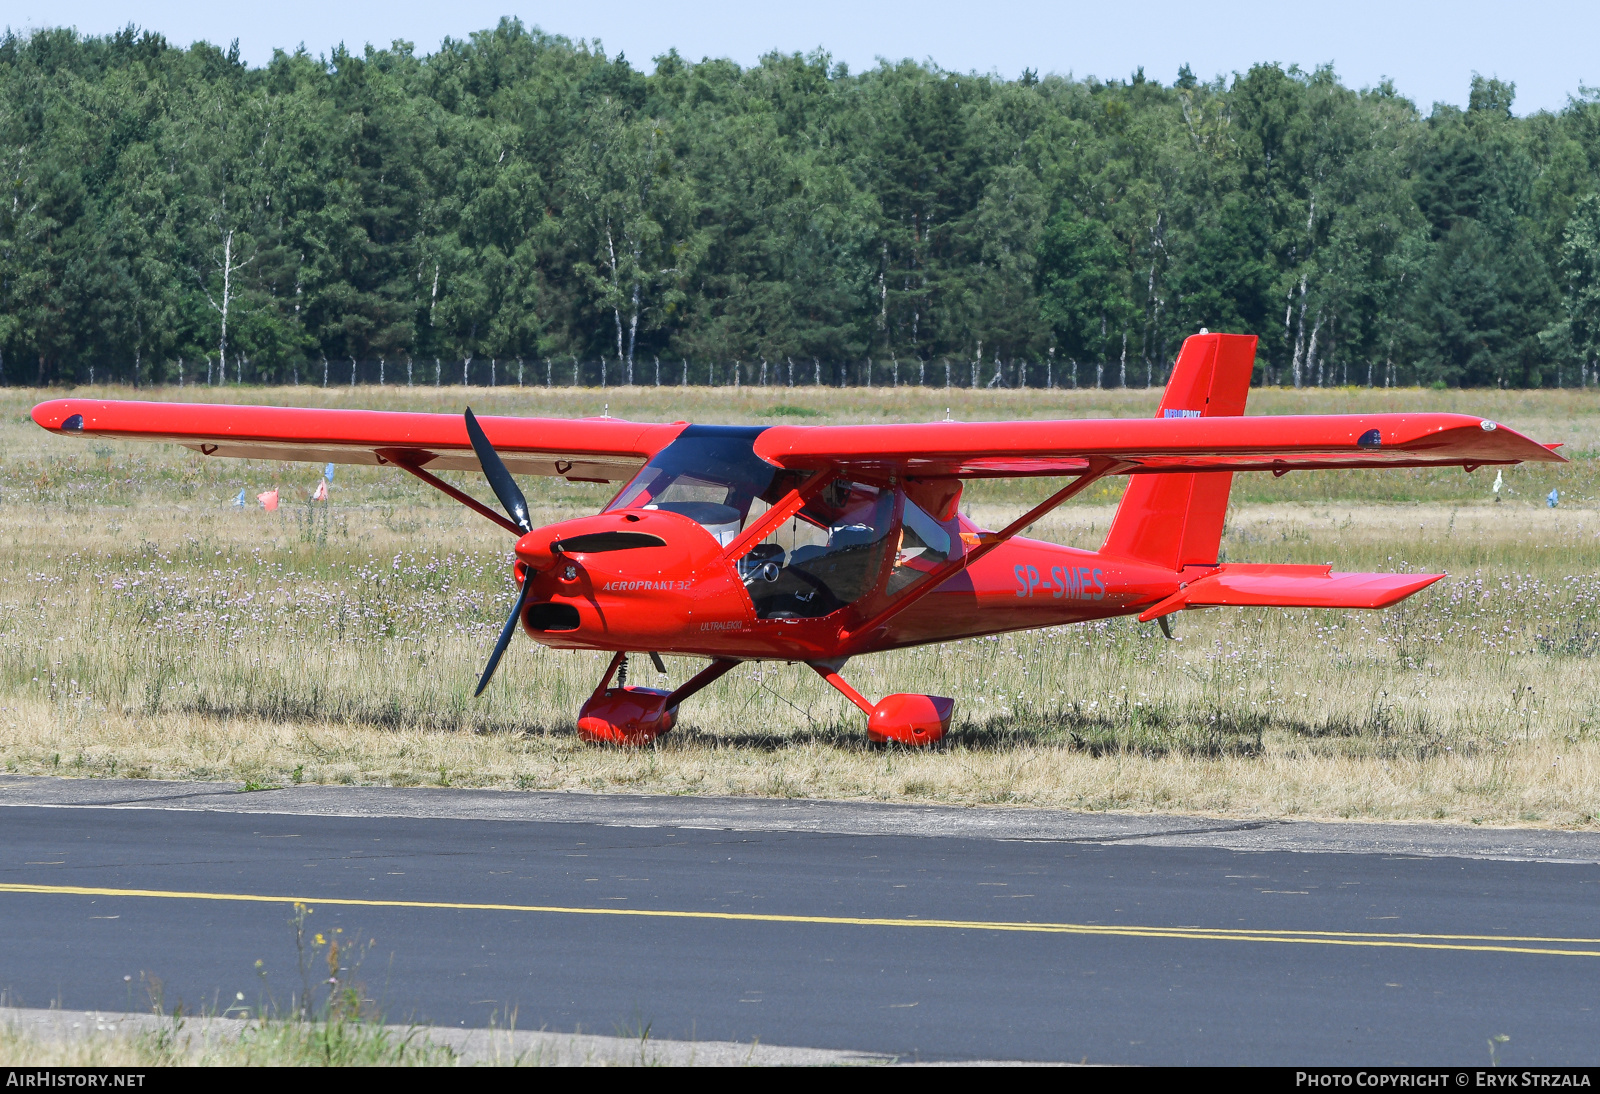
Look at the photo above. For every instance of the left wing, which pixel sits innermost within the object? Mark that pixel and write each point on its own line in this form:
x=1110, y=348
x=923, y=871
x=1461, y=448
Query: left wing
x=1153, y=445
x=583, y=449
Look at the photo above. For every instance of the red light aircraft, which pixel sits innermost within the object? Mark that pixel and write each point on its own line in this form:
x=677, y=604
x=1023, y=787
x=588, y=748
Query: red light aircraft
x=820, y=543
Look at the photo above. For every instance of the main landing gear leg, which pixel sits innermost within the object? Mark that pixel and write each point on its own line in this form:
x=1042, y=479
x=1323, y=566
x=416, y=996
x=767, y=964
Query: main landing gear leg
x=626, y=715
x=916, y=720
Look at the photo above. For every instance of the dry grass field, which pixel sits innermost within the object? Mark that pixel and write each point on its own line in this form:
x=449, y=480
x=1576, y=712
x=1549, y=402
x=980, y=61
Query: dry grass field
x=150, y=629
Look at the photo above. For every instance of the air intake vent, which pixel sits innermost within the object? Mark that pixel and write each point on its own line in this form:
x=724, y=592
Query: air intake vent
x=553, y=616
x=597, y=542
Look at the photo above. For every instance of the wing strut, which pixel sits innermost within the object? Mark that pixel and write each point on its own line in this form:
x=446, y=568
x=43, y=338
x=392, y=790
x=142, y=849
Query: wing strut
x=785, y=507
x=1098, y=469
x=405, y=461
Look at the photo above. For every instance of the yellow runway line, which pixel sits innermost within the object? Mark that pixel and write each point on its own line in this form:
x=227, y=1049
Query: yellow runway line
x=1476, y=943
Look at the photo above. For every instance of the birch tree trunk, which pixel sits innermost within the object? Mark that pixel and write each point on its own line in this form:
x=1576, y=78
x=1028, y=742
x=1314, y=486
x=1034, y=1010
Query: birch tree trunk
x=1311, y=350
x=227, y=293
x=1297, y=358
x=616, y=288
x=228, y=267
x=633, y=322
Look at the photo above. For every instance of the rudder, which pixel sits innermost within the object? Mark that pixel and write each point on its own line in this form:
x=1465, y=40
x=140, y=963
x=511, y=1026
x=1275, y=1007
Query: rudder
x=1175, y=520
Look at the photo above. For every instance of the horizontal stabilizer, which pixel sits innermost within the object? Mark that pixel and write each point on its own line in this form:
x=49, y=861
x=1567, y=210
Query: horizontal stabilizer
x=1291, y=587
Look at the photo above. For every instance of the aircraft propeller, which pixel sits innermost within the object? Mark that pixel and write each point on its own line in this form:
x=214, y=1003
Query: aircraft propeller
x=500, y=481
x=516, y=506
x=505, y=636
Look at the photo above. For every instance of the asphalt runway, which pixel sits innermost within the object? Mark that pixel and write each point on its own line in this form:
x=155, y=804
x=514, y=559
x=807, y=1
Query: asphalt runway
x=694, y=924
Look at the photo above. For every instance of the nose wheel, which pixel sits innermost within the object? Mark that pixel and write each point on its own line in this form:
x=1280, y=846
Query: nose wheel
x=624, y=715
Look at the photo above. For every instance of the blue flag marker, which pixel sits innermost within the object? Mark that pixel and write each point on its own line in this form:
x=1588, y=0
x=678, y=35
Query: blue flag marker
x=327, y=472
x=239, y=501
x=1551, y=498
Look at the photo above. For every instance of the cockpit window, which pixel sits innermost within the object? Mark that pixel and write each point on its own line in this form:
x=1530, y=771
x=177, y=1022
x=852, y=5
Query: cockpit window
x=711, y=475
x=924, y=547
x=825, y=557
x=828, y=555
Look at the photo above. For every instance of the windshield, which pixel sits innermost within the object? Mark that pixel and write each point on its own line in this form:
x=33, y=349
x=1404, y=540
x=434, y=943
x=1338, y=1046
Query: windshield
x=711, y=475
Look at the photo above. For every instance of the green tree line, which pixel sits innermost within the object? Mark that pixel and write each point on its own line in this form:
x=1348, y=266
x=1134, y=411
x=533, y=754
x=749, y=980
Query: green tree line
x=521, y=208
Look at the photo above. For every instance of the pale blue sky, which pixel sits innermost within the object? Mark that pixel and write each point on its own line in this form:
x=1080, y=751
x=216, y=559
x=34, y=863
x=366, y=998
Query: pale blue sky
x=1549, y=47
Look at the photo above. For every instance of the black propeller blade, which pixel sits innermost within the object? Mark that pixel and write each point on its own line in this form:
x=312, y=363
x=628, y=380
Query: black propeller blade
x=500, y=481
x=516, y=506
x=505, y=637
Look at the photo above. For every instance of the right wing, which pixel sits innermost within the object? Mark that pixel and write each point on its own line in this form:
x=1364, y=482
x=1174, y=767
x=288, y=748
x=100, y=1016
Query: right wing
x=1152, y=445
x=584, y=449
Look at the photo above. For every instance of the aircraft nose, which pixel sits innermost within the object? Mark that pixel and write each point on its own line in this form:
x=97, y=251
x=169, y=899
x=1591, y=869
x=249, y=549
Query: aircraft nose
x=533, y=550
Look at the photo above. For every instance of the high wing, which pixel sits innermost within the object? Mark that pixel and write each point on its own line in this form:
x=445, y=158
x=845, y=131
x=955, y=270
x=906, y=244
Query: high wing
x=609, y=449
x=1152, y=445
x=586, y=449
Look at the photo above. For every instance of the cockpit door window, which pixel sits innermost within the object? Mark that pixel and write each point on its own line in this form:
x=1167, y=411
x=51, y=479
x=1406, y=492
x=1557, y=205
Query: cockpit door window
x=827, y=556
x=924, y=546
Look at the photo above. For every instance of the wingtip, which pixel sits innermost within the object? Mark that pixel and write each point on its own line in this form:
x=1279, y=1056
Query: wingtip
x=56, y=415
x=49, y=414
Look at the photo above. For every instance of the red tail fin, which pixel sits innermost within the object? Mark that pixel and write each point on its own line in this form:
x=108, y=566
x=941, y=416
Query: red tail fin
x=1176, y=520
